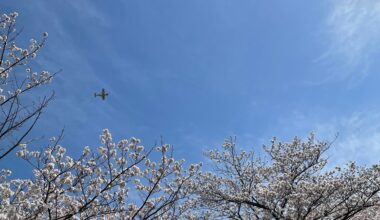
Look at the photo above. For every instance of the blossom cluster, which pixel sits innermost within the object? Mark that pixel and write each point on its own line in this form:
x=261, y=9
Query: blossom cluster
x=292, y=184
x=14, y=56
x=115, y=181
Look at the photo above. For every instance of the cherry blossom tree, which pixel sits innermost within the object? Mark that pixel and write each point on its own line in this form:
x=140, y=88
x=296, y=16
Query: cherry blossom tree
x=292, y=184
x=20, y=109
x=117, y=181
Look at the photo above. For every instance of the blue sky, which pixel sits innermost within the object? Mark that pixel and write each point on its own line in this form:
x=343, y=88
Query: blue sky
x=199, y=71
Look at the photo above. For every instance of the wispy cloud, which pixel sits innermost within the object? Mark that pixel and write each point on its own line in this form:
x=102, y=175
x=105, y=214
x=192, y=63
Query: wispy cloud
x=358, y=139
x=355, y=136
x=358, y=136
x=88, y=10
x=353, y=33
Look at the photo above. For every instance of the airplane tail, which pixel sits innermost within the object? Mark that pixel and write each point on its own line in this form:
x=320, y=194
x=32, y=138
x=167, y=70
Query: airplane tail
x=95, y=94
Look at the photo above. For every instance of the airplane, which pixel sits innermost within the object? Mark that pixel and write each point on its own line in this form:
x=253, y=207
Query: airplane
x=102, y=94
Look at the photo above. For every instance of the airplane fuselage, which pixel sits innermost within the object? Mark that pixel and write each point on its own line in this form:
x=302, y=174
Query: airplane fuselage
x=102, y=94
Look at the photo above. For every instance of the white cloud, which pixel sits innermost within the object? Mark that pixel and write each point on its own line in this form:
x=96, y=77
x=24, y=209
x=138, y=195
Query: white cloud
x=88, y=10
x=353, y=33
x=358, y=137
